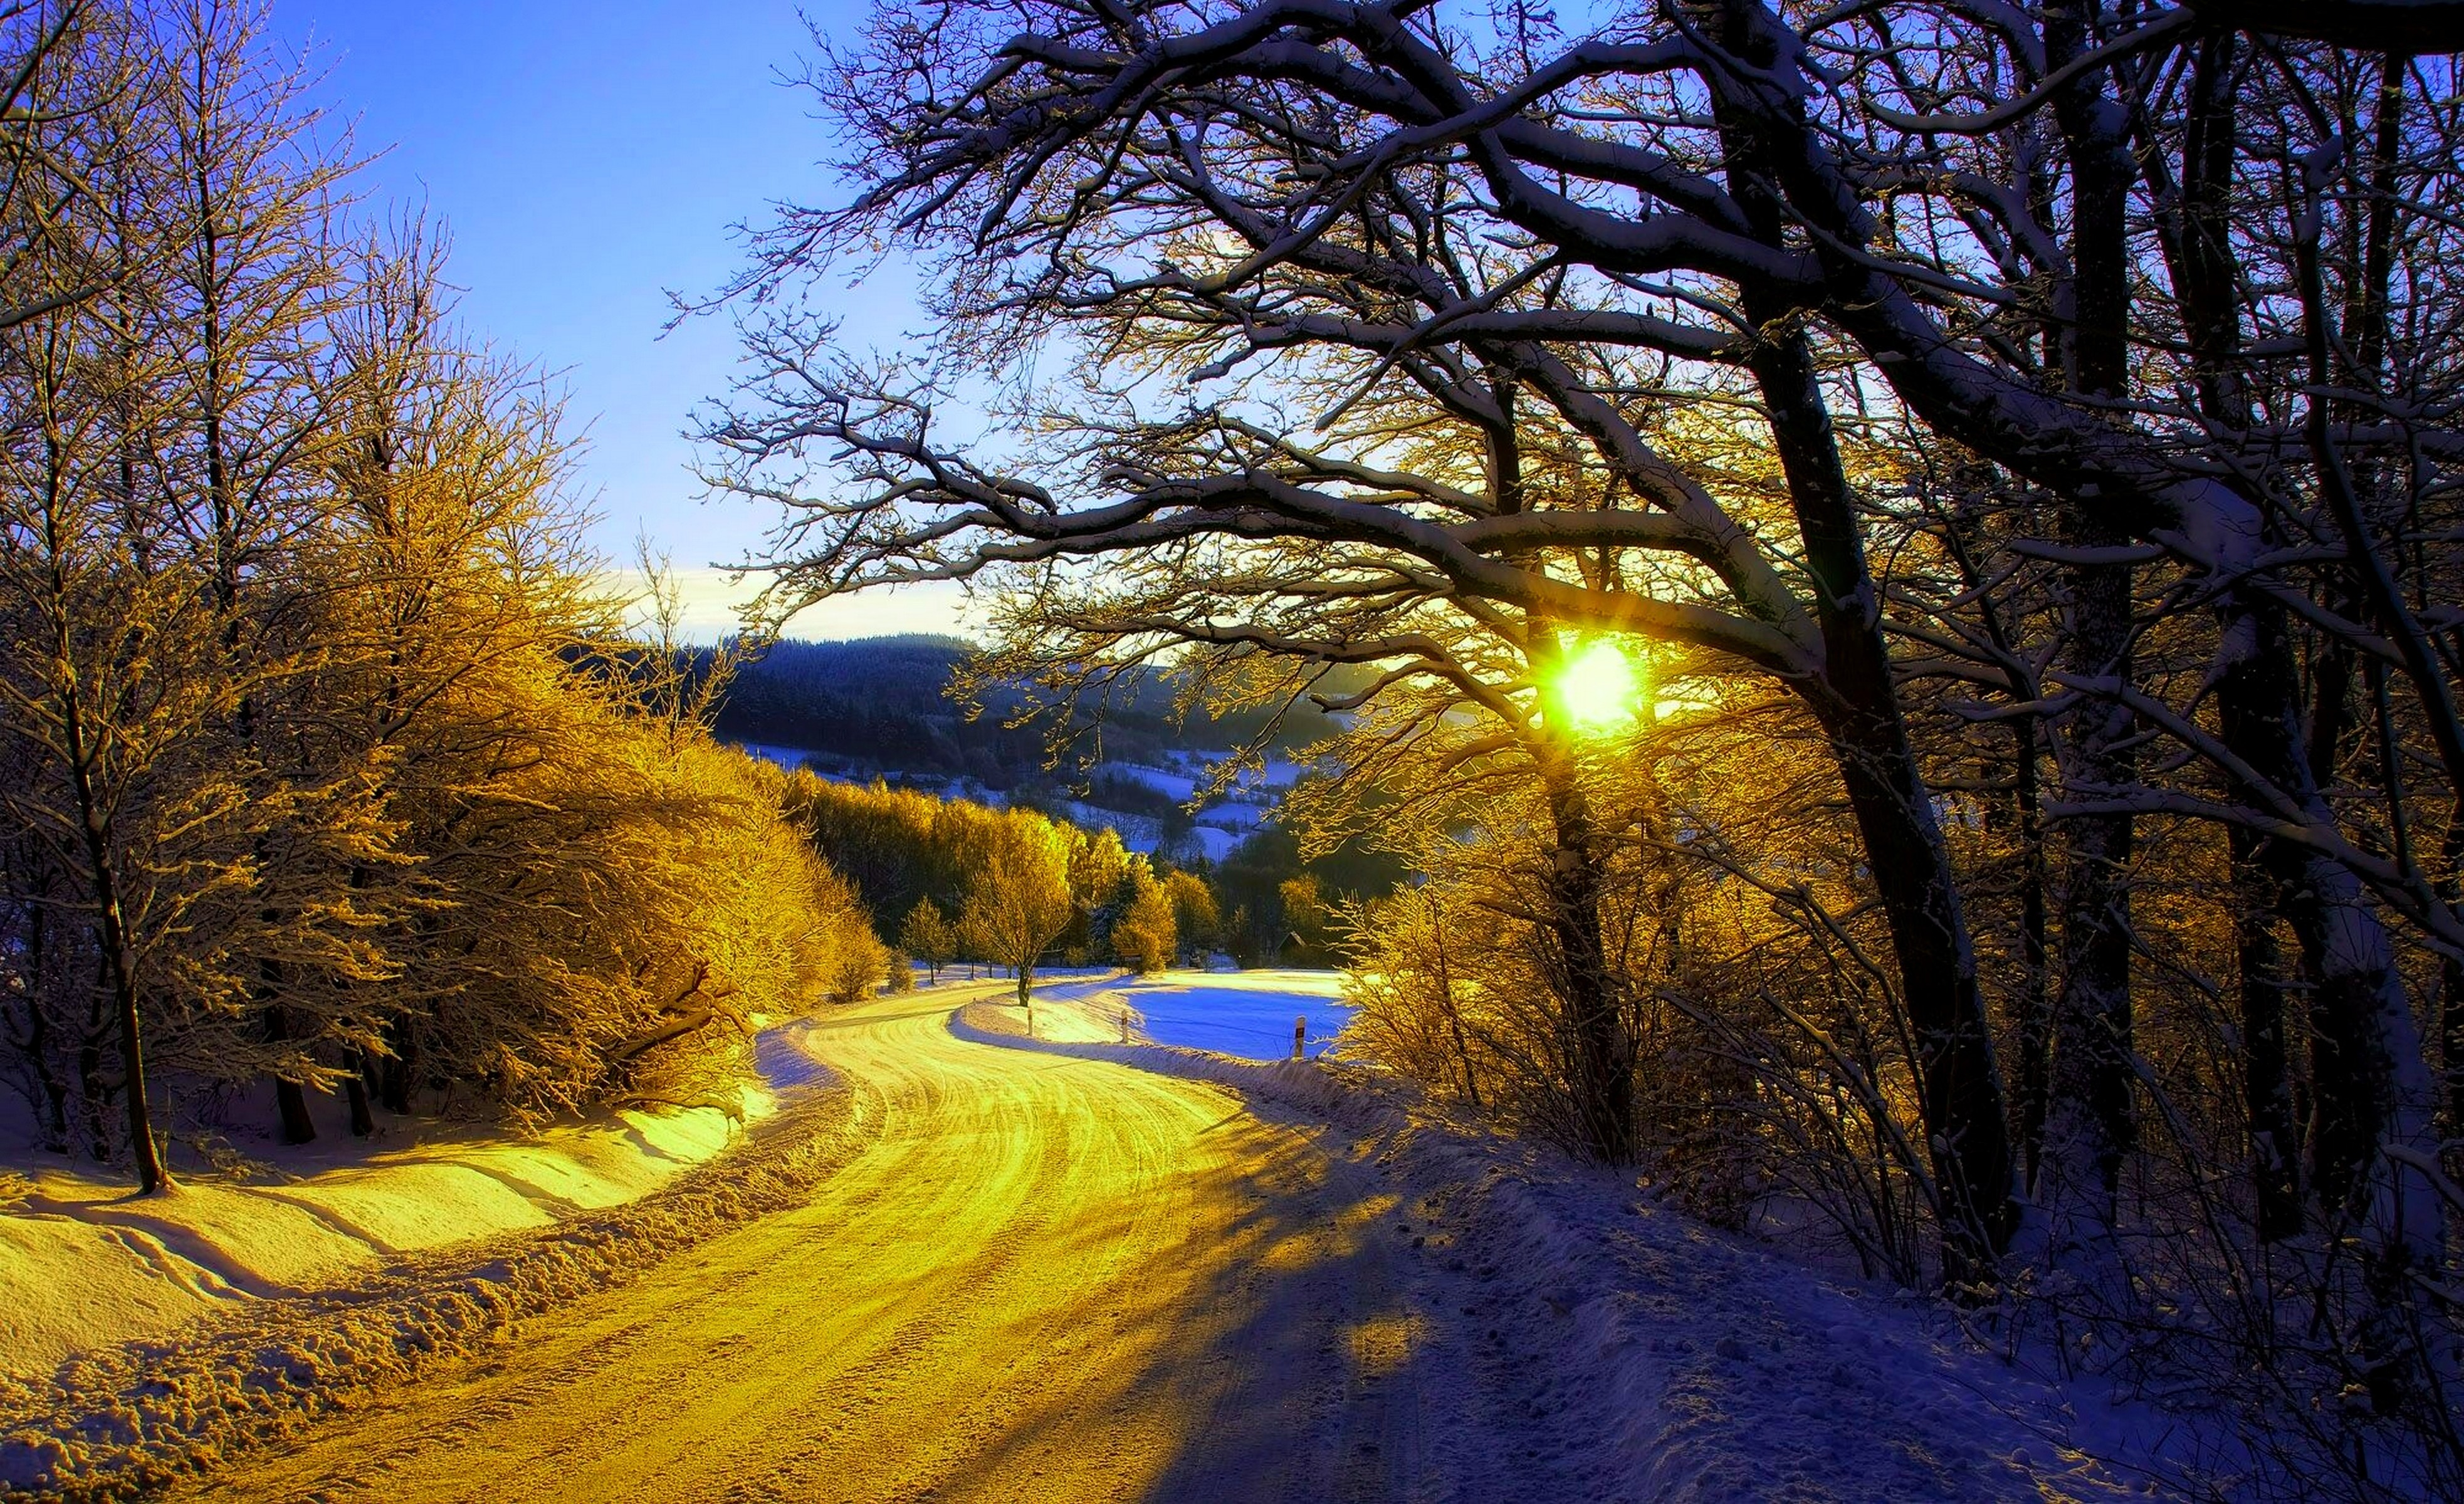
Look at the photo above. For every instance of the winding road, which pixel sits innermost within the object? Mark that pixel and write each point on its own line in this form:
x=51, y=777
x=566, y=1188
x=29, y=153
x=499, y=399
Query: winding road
x=1042, y=1278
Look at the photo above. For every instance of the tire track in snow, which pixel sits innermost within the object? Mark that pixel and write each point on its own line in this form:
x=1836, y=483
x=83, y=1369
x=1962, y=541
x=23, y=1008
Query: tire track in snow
x=1043, y=1280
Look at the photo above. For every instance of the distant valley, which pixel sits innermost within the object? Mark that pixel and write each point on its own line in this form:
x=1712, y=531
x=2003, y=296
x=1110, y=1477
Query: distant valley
x=878, y=708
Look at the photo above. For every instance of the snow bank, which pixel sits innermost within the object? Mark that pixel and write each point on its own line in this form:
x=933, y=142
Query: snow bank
x=1709, y=1368
x=1060, y=1020
x=579, y=1212
x=83, y=1264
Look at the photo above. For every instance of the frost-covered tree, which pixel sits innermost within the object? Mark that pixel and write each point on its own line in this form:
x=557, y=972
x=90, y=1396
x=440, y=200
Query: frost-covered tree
x=2048, y=402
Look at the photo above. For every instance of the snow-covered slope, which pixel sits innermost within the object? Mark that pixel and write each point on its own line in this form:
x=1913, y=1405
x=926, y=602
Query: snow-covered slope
x=225, y=1362
x=1666, y=1361
x=84, y=1265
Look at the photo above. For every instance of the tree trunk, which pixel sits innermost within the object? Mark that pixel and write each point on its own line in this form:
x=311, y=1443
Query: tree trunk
x=289, y=1098
x=1960, y=1090
x=2367, y=1089
x=398, y=1074
x=2451, y=1008
x=1965, y=1108
x=2089, y=1126
x=2036, y=1028
x=91, y=1087
x=2267, y=1091
x=363, y=1121
x=120, y=964
x=1454, y=1015
x=1602, y=1052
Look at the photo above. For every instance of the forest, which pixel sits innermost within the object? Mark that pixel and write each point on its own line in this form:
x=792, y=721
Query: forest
x=331, y=759
x=2012, y=449
x=885, y=706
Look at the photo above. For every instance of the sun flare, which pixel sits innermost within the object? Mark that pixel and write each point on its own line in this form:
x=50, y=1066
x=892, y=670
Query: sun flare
x=1598, y=688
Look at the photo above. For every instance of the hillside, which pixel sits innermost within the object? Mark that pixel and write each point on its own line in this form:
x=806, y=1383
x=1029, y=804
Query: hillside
x=878, y=705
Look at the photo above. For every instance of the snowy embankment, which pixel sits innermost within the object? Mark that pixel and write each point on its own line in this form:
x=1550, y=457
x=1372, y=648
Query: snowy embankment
x=83, y=1264
x=257, y=1308
x=1714, y=1369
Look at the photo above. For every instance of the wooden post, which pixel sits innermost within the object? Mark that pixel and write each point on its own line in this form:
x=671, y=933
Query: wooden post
x=1300, y=1036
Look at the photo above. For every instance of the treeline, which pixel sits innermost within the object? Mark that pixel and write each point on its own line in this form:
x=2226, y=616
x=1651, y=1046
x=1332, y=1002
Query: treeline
x=953, y=880
x=936, y=872
x=322, y=762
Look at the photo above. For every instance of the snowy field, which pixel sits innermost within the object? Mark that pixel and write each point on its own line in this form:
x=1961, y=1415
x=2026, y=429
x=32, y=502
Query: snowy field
x=1244, y=1014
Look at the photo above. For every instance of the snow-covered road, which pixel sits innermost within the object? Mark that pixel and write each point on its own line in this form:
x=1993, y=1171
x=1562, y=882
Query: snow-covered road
x=1042, y=1273
x=1046, y=1279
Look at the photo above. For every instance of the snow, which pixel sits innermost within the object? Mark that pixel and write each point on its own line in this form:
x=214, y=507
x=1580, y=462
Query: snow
x=1538, y=1329
x=1665, y=1359
x=1176, y=785
x=1243, y=1014
x=1211, y=843
x=141, y=1336
x=84, y=1264
x=1230, y=817
x=1137, y=832
x=788, y=757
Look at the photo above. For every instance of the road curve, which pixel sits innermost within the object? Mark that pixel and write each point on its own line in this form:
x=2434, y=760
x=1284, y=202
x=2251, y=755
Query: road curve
x=1044, y=1280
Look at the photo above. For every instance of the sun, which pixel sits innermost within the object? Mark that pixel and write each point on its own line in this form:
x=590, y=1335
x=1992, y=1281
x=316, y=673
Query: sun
x=1598, y=688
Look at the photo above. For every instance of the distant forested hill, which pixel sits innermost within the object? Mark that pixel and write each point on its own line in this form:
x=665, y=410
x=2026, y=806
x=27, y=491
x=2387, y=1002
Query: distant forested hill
x=878, y=705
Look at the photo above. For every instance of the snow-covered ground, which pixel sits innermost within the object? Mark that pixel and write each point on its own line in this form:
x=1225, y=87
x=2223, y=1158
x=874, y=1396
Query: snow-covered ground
x=1173, y=785
x=144, y=1337
x=1027, y=1273
x=1244, y=1014
x=1663, y=1360
x=84, y=1264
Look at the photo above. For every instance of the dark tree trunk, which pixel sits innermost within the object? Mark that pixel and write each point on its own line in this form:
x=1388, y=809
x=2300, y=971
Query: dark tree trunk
x=2089, y=1128
x=2036, y=1028
x=1960, y=1091
x=2357, y=998
x=118, y=963
x=2208, y=274
x=289, y=1098
x=1966, y=1121
x=2267, y=1091
x=399, y=1077
x=1602, y=1049
x=2090, y=1123
x=363, y=1121
x=95, y=1096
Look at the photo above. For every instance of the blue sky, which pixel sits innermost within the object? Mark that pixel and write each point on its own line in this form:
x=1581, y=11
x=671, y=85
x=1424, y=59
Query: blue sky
x=587, y=157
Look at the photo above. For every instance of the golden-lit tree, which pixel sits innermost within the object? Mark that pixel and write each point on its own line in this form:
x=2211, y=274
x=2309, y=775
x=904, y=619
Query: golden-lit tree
x=926, y=934
x=326, y=757
x=1020, y=904
x=1146, y=936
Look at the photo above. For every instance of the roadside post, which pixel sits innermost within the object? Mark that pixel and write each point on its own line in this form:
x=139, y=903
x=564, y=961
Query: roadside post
x=1300, y=1036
